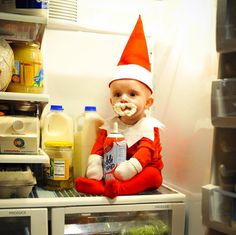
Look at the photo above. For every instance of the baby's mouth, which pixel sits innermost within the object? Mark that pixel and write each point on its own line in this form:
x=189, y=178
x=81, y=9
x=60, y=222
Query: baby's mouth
x=125, y=109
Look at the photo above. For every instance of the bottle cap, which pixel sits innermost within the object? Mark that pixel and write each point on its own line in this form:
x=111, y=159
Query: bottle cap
x=57, y=107
x=90, y=108
x=115, y=128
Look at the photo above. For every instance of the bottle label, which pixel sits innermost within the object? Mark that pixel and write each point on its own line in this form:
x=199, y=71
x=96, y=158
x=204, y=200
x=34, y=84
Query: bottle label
x=59, y=169
x=112, y=157
x=28, y=74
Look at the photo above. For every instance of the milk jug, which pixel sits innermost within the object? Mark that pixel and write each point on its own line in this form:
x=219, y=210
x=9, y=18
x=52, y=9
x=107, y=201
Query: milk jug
x=86, y=130
x=57, y=126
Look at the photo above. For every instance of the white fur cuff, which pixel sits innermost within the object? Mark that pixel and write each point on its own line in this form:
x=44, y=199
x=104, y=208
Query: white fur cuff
x=136, y=164
x=94, y=159
x=94, y=169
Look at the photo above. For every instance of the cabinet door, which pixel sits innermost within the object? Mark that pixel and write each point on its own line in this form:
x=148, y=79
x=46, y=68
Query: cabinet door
x=23, y=222
x=162, y=219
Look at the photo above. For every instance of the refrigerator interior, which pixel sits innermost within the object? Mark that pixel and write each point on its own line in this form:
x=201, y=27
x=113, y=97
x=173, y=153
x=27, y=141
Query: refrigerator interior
x=184, y=65
x=184, y=62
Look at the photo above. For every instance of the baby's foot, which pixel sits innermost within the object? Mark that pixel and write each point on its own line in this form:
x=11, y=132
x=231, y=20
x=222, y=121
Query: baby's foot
x=111, y=188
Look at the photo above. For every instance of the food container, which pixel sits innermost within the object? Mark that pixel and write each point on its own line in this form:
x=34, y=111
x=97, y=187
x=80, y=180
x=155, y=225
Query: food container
x=28, y=73
x=16, y=181
x=19, y=134
x=58, y=175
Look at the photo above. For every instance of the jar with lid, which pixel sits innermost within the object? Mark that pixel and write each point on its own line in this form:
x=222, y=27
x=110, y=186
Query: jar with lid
x=58, y=175
x=28, y=73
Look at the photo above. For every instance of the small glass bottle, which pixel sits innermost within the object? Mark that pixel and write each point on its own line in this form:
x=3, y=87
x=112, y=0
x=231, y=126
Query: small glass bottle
x=58, y=175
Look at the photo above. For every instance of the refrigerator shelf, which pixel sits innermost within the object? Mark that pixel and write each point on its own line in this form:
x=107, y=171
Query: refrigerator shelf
x=16, y=103
x=18, y=27
x=17, y=96
x=45, y=198
x=219, y=209
x=41, y=157
x=12, y=17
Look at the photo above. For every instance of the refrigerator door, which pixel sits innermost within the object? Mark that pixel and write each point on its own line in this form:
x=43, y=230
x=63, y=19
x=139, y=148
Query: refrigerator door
x=160, y=219
x=23, y=221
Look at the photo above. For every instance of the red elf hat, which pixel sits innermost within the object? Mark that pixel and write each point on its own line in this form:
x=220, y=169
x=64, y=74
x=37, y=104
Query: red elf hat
x=134, y=62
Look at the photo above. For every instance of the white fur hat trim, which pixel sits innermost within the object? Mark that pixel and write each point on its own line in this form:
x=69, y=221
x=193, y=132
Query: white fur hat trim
x=133, y=71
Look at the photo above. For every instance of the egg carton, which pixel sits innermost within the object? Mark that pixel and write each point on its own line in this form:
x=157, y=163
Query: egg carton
x=16, y=182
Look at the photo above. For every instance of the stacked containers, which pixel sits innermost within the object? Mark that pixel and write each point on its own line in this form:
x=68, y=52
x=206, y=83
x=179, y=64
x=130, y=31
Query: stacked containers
x=86, y=130
x=57, y=141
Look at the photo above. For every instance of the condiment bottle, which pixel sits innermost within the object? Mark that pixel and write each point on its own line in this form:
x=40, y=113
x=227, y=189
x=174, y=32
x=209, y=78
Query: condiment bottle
x=115, y=150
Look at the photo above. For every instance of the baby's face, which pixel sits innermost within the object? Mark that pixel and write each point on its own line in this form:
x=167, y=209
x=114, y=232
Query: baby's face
x=129, y=99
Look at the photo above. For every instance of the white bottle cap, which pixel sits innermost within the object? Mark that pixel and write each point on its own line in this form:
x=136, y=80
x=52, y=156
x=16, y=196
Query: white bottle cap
x=115, y=128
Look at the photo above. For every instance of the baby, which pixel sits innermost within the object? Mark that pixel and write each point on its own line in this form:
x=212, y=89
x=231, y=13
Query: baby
x=130, y=96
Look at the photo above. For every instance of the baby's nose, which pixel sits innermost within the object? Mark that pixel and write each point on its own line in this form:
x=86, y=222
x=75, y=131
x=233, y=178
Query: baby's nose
x=124, y=99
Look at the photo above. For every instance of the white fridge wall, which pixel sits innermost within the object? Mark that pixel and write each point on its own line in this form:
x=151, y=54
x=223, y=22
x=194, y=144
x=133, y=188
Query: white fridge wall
x=185, y=65
x=78, y=67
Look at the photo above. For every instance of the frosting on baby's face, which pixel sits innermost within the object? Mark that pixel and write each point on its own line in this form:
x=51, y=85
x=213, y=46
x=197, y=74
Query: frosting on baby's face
x=125, y=109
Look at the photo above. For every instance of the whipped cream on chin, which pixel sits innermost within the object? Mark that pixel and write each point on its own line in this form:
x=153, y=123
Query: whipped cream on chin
x=125, y=109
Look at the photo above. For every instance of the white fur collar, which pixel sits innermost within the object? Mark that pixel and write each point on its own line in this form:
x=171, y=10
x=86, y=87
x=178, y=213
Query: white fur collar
x=133, y=133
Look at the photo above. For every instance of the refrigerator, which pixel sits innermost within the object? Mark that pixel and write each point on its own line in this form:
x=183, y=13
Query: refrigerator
x=184, y=61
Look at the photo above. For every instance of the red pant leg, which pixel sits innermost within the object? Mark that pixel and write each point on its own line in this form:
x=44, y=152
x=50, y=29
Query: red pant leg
x=148, y=178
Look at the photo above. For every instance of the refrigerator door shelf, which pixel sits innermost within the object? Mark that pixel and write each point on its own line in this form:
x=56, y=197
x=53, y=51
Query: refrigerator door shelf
x=223, y=103
x=219, y=209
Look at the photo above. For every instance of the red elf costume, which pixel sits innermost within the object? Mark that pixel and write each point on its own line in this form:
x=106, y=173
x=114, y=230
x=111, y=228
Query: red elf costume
x=142, y=169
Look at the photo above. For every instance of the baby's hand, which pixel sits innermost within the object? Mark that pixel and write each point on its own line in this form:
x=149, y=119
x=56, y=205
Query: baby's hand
x=127, y=169
x=94, y=169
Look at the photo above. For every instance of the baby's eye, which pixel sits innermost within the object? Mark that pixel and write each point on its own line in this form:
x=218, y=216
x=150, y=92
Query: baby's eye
x=117, y=94
x=132, y=94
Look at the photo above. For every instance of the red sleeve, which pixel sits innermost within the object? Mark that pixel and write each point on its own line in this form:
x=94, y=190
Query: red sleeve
x=148, y=152
x=98, y=146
